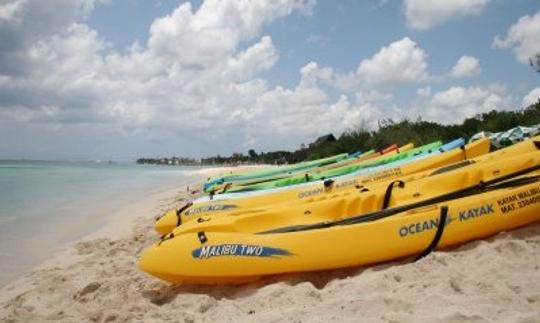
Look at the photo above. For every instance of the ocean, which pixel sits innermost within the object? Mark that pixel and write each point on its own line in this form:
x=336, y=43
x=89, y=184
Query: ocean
x=44, y=205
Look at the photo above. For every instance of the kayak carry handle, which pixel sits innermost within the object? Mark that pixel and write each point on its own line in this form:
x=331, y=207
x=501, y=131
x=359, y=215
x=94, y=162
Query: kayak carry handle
x=166, y=236
x=202, y=237
x=327, y=183
x=388, y=193
x=438, y=234
x=179, y=212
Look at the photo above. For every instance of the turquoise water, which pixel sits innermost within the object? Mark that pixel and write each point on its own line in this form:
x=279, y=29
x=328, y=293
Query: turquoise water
x=44, y=205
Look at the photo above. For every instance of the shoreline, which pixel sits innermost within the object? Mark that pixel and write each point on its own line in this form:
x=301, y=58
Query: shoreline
x=120, y=223
x=83, y=218
x=95, y=279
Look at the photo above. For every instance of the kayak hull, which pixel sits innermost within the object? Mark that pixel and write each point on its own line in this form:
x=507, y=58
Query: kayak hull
x=226, y=257
x=379, y=176
x=377, y=198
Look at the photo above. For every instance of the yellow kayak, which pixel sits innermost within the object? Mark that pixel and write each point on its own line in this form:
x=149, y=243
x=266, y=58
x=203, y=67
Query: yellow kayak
x=291, y=195
x=211, y=257
x=376, y=198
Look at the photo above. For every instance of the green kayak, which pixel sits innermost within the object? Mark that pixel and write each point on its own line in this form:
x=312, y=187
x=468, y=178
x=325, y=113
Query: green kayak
x=314, y=175
x=211, y=183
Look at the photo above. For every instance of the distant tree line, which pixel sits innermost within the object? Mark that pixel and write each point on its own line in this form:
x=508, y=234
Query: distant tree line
x=169, y=161
x=535, y=62
x=360, y=138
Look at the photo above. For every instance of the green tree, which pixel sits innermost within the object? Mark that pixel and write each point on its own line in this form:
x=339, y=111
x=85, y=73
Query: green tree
x=535, y=62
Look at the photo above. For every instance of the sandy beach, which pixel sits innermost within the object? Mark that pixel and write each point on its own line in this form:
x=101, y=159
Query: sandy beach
x=380, y=122
x=97, y=280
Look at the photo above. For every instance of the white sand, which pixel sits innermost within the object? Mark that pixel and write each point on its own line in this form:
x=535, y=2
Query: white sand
x=227, y=170
x=96, y=280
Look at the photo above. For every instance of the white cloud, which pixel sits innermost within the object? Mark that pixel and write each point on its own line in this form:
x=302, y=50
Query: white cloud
x=193, y=73
x=310, y=112
x=424, y=91
x=466, y=66
x=523, y=37
x=400, y=62
x=25, y=22
x=215, y=30
x=457, y=103
x=199, y=71
x=245, y=65
x=531, y=98
x=424, y=14
x=190, y=75
x=311, y=73
x=9, y=9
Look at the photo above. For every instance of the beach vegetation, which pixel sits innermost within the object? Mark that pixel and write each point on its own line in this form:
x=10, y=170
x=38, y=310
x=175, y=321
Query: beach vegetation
x=361, y=138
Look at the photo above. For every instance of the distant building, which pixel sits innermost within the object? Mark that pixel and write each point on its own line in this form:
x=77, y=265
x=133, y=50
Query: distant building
x=323, y=139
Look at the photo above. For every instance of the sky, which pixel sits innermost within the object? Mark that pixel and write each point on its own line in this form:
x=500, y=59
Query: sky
x=122, y=79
